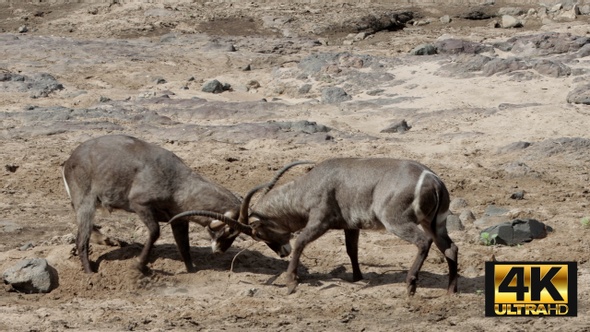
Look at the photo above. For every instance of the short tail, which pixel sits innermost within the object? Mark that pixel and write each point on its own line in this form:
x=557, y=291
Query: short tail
x=63, y=175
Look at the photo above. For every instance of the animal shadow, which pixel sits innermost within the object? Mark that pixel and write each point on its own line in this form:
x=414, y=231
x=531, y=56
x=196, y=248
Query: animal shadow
x=238, y=260
x=391, y=276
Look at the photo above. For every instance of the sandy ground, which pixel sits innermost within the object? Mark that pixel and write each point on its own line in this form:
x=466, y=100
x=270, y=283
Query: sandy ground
x=458, y=126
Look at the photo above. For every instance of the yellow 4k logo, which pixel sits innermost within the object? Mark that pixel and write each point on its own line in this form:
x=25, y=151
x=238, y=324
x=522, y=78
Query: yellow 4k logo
x=531, y=289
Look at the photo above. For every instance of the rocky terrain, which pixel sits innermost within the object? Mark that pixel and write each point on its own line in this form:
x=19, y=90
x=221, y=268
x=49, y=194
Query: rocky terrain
x=492, y=96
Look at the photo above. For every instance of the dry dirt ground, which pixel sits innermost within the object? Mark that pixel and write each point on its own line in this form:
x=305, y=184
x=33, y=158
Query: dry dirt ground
x=138, y=69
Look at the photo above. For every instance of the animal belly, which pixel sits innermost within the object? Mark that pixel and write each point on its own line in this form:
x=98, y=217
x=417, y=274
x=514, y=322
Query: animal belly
x=365, y=220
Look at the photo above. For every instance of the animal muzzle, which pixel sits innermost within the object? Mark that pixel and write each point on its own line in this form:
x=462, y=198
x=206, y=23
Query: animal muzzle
x=216, y=247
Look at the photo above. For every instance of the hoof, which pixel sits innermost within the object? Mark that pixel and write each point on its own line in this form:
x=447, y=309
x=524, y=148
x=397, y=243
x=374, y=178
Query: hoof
x=411, y=289
x=356, y=278
x=142, y=268
x=291, y=285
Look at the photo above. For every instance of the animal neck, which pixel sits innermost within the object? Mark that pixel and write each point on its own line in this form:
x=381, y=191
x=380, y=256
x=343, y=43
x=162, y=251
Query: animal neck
x=199, y=193
x=284, y=204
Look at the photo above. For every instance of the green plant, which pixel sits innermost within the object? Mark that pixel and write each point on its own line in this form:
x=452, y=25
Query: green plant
x=486, y=239
x=585, y=222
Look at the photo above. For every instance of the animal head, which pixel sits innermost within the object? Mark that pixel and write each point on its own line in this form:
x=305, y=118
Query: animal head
x=267, y=231
x=222, y=236
x=225, y=228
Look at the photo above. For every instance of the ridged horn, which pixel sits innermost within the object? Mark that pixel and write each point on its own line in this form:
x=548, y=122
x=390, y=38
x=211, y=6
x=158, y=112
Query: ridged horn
x=243, y=218
x=282, y=171
x=240, y=227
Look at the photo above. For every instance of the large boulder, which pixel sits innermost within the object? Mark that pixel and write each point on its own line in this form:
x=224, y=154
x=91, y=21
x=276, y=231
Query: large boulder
x=31, y=276
x=515, y=232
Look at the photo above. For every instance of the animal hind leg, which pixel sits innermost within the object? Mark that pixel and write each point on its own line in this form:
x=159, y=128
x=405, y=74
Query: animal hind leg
x=407, y=229
x=451, y=253
x=85, y=216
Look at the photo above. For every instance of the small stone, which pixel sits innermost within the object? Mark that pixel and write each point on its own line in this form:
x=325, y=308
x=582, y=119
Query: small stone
x=23, y=29
x=213, y=86
x=26, y=246
x=457, y=204
x=467, y=217
x=446, y=19
x=399, y=127
x=454, y=223
x=517, y=195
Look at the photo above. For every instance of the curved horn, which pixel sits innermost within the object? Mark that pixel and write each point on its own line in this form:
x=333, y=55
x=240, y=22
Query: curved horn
x=243, y=218
x=240, y=227
x=281, y=172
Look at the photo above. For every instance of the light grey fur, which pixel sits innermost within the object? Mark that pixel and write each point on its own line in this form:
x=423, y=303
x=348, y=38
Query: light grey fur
x=402, y=196
x=125, y=173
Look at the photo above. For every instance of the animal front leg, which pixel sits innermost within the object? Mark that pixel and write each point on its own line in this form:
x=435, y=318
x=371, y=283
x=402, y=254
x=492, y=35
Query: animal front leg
x=180, y=231
x=148, y=219
x=308, y=235
x=351, y=237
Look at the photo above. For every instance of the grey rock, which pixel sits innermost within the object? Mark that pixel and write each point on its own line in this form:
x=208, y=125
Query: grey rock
x=7, y=226
x=372, y=23
x=544, y=44
x=23, y=29
x=479, y=13
x=334, y=95
x=509, y=22
x=458, y=46
x=467, y=217
x=552, y=68
x=465, y=65
x=512, y=147
x=213, y=86
x=304, y=126
x=518, y=169
x=457, y=204
x=31, y=276
x=38, y=84
x=446, y=19
x=488, y=221
x=517, y=231
x=493, y=210
x=454, y=223
x=503, y=66
x=580, y=95
x=375, y=92
x=216, y=45
x=26, y=246
x=304, y=89
x=423, y=49
x=517, y=195
x=398, y=127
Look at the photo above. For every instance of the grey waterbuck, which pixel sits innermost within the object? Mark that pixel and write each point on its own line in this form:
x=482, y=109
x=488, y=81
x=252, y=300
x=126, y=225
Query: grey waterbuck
x=401, y=196
x=123, y=172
